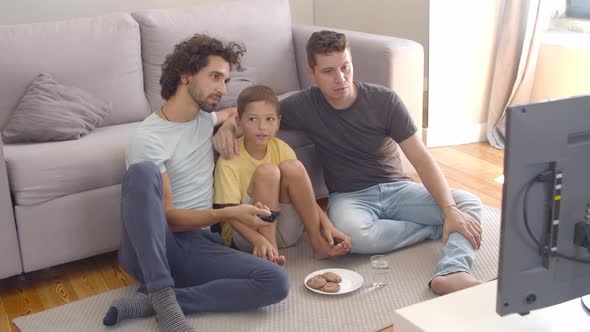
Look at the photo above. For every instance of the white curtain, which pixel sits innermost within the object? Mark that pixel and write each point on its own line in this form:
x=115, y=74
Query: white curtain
x=521, y=28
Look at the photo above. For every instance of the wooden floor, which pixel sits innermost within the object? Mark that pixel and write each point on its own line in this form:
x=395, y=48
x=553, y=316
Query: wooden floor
x=473, y=167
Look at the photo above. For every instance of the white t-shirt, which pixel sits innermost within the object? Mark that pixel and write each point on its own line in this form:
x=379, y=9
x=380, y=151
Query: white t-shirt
x=185, y=151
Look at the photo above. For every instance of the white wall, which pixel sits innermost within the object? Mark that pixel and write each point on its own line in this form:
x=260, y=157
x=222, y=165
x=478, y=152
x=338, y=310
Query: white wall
x=28, y=11
x=563, y=66
x=302, y=11
x=399, y=18
x=462, y=36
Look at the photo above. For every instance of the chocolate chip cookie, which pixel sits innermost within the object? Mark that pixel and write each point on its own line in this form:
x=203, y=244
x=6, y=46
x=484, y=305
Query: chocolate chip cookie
x=332, y=277
x=316, y=282
x=331, y=287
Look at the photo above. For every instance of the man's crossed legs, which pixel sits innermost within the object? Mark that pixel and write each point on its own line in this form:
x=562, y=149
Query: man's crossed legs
x=390, y=216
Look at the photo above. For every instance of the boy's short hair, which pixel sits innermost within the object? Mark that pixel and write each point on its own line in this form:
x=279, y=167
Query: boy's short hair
x=325, y=42
x=257, y=93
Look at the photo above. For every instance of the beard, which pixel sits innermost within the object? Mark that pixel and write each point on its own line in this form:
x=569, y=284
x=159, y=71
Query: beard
x=202, y=101
x=205, y=106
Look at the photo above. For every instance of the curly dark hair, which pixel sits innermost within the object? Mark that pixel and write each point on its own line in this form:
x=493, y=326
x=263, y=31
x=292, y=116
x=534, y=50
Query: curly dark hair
x=325, y=42
x=192, y=54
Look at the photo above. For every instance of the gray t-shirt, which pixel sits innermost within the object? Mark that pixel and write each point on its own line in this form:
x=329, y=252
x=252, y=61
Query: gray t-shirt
x=357, y=146
x=184, y=151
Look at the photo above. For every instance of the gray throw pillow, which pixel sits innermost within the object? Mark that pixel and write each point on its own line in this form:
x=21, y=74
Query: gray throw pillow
x=50, y=111
x=240, y=79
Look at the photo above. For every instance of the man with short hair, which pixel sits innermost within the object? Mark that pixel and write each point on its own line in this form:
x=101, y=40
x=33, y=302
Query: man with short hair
x=167, y=200
x=356, y=128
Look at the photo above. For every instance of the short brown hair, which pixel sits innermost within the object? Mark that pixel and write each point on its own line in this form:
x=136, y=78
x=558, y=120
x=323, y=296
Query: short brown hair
x=257, y=93
x=190, y=55
x=325, y=42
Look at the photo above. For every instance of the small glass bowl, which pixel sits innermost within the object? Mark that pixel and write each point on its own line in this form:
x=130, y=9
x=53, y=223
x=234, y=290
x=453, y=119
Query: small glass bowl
x=379, y=262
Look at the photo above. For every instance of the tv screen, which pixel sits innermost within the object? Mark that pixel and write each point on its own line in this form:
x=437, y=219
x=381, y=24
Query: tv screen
x=544, y=241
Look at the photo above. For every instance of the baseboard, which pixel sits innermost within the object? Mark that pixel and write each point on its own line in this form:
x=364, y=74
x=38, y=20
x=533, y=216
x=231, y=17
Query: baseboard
x=454, y=135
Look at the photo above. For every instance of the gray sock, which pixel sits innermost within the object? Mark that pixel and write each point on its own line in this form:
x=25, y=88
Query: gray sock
x=168, y=313
x=135, y=306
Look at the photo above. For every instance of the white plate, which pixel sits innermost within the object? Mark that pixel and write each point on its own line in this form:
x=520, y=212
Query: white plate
x=351, y=281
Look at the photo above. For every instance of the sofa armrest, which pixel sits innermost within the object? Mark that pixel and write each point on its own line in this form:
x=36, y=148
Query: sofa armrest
x=10, y=258
x=389, y=61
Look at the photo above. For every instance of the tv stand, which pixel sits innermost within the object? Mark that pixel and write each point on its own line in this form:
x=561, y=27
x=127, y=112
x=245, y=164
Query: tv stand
x=474, y=309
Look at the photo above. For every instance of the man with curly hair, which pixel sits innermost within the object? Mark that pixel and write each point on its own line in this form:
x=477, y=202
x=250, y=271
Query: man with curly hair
x=181, y=266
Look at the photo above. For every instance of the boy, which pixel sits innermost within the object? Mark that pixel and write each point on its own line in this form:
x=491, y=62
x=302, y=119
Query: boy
x=267, y=171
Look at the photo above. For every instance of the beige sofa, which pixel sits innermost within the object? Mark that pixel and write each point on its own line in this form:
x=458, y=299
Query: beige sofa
x=59, y=201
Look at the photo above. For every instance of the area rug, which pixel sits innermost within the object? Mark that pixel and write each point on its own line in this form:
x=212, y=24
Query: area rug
x=366, y=309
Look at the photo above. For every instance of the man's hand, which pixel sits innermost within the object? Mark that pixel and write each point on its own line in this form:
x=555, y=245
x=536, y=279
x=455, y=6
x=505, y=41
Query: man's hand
x=461, y=222
x=225, y=141
x=248, y=214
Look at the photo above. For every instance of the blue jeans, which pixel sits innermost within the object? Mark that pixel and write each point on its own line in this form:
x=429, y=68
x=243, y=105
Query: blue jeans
x=206, y=276
x=390, y=216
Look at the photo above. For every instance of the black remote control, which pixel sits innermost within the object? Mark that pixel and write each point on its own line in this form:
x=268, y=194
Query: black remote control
x=274, y=215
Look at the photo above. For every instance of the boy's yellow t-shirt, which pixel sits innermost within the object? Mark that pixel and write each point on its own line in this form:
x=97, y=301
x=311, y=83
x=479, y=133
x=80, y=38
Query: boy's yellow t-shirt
x=232, y=177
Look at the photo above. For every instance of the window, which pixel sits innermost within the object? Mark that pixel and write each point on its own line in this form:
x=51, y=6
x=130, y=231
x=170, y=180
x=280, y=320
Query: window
x=578, y=9
x=570, y=16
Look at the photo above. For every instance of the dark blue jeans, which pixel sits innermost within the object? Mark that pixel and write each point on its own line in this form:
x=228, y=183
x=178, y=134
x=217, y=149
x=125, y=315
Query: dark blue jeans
x=206, y=276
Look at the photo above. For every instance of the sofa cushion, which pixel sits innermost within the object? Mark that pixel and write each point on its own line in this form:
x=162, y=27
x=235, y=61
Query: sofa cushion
x=50, y=111
x=263, y=26
x=101, y=55
x=39, y=172
x=240, y=79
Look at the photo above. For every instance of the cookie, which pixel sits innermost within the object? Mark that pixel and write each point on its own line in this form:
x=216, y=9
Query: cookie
x=332, y=277
x=331, y=287
x=316, y=282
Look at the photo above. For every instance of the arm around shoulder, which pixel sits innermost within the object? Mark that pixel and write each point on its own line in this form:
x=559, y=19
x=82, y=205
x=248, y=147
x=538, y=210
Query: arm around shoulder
x=225, y=114
x=225, y=140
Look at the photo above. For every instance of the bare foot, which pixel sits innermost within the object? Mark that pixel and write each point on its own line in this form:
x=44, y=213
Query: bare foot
x=453, y=282
x=323, y=249
x=281, y=260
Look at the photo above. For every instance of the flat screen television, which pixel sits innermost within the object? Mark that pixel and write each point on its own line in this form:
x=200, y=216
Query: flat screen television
x=545, y=232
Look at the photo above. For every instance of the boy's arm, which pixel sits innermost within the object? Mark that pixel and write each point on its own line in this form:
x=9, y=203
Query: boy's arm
x=183, y=219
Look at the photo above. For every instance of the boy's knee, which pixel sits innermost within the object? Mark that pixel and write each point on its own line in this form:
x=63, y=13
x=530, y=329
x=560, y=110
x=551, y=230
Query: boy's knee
x=291, y=168
x=267, y=172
